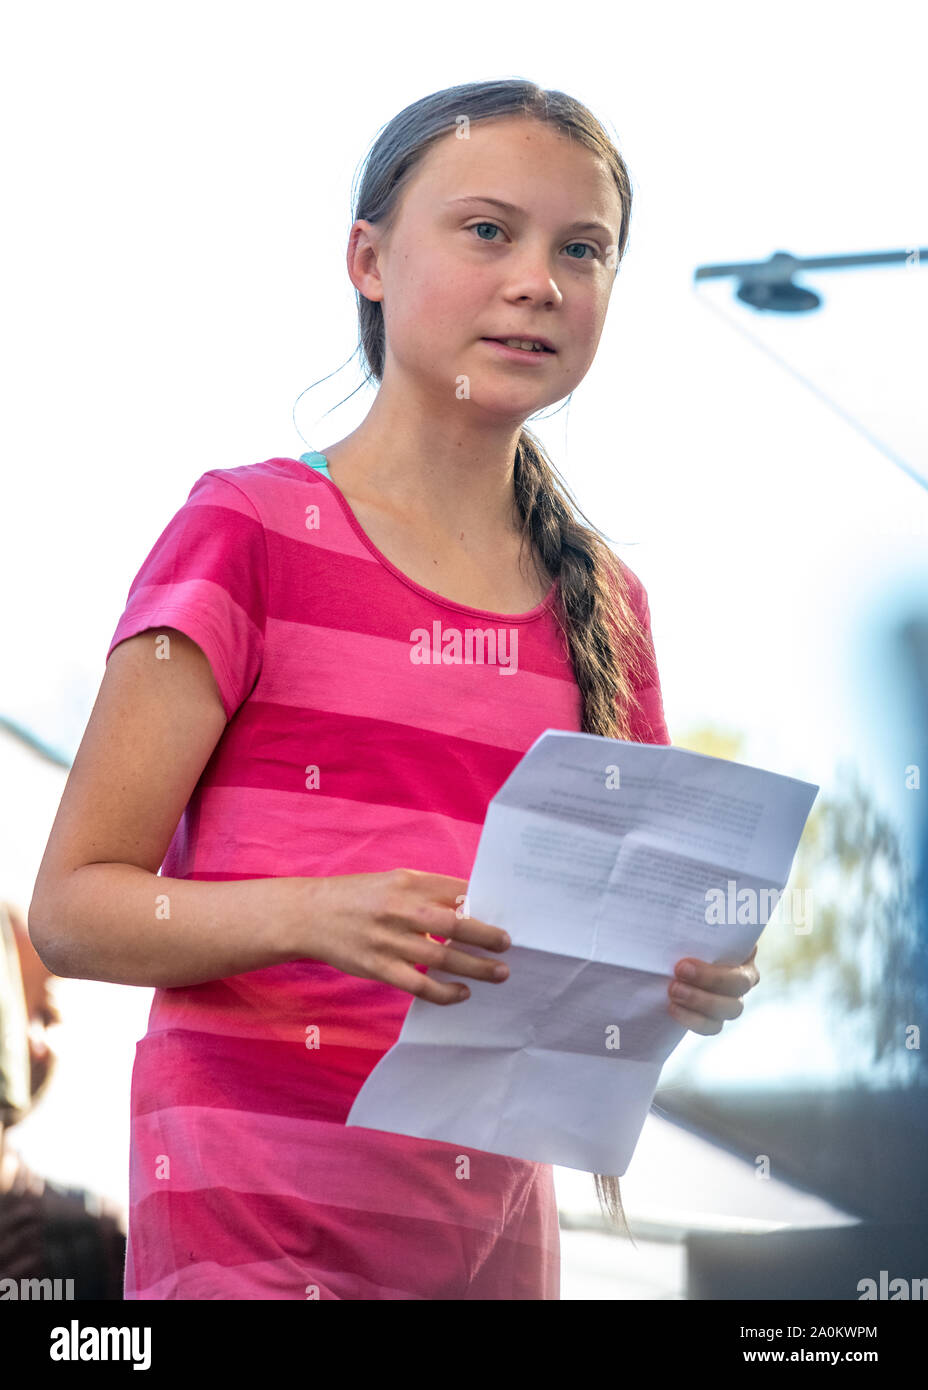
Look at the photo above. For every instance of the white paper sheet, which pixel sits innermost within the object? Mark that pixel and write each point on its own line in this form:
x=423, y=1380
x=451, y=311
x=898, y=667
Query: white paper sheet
x=596, y=856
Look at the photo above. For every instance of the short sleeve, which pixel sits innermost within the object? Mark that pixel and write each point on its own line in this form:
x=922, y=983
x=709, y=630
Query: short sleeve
x=648, y=722
x=206, y=575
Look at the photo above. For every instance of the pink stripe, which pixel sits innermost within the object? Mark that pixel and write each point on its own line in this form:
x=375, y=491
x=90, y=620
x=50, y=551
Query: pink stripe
x=264, y=1279
x=197, y=543
x=328, y=582
x=260, y=1076
x=288, y=489
x=360, y=760
x=326, y=836
x=281, y=1003
x=309, y=1161
x=350, y=1254
x=372, y=676
x=219, y=487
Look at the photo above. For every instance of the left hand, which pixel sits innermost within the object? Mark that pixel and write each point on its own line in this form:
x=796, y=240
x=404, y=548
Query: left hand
x=713, y=996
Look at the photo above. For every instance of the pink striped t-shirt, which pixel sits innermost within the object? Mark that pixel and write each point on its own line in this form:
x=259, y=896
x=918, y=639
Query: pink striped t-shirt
x=365, y=733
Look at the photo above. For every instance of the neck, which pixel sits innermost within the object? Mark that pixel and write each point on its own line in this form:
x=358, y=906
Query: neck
x=440, y=476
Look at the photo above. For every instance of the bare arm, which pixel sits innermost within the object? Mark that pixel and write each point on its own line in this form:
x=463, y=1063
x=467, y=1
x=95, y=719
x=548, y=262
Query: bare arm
x=100, y=911
x=99, y=908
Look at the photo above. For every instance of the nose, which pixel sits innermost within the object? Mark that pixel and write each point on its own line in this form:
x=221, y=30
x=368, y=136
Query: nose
x=531, y=277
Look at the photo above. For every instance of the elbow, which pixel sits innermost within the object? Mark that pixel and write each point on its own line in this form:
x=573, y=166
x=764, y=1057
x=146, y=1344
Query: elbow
x=40, y=922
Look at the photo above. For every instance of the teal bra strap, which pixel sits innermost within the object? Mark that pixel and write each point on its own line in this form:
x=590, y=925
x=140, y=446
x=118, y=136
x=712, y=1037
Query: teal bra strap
x=317, y=461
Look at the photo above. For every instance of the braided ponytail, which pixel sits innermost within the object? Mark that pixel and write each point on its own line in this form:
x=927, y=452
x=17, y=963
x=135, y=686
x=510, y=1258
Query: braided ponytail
x=597, y=619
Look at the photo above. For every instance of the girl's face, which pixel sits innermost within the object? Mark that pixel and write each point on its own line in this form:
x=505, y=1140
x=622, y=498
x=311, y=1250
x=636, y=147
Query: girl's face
x=458, y=269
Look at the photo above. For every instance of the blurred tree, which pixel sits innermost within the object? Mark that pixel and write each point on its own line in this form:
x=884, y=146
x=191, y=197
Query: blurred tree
x=865, y=949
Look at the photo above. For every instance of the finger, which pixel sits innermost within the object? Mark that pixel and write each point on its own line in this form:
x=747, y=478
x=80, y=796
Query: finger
x=697, y=1023
x=427, y=915
x=423, y=986
x=700, y=1001
x=733, y=980
x=443, y=924
x=750, y=966
x=453, y=961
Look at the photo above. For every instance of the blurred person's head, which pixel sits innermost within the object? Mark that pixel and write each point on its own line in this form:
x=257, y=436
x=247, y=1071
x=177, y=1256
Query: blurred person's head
x=41, y=1011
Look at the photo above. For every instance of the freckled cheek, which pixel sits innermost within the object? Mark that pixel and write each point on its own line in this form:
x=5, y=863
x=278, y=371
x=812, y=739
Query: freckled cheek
x=438, y=316
x=588, y=324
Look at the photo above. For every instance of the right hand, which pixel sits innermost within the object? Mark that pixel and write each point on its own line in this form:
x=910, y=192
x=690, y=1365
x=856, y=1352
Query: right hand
x=374, y=926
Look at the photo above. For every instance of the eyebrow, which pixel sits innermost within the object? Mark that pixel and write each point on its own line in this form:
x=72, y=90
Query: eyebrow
x=510, y=207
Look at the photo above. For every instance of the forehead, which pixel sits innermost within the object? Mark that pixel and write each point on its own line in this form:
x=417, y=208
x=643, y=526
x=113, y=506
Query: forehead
x=523, y=161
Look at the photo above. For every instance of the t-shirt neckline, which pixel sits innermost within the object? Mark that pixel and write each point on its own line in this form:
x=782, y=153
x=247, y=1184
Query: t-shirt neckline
x=378, y=555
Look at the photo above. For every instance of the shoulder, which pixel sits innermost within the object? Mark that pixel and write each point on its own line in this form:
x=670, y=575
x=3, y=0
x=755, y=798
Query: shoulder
x=635, y=591
x=252, y=488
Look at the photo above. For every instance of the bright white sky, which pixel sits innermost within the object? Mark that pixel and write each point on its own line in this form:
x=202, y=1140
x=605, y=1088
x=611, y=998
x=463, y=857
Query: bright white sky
x=178, y=180
x=174, y=274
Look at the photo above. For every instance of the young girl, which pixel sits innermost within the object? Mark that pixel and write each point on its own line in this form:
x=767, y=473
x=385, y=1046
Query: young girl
x=268, y=733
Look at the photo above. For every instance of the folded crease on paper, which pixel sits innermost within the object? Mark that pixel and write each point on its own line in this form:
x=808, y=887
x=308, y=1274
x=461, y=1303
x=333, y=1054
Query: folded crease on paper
x=600, y=858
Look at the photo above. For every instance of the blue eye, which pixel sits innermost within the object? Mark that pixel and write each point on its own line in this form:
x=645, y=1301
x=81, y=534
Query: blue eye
x=585, y=244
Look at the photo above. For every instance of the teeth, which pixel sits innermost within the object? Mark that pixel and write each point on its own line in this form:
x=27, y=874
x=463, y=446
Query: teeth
x=523, y=343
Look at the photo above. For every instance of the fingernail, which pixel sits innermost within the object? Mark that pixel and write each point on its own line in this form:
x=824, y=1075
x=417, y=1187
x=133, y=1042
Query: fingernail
x=687, y=971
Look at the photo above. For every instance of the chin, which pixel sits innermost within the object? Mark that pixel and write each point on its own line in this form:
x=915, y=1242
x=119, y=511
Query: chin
x=506, y=400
